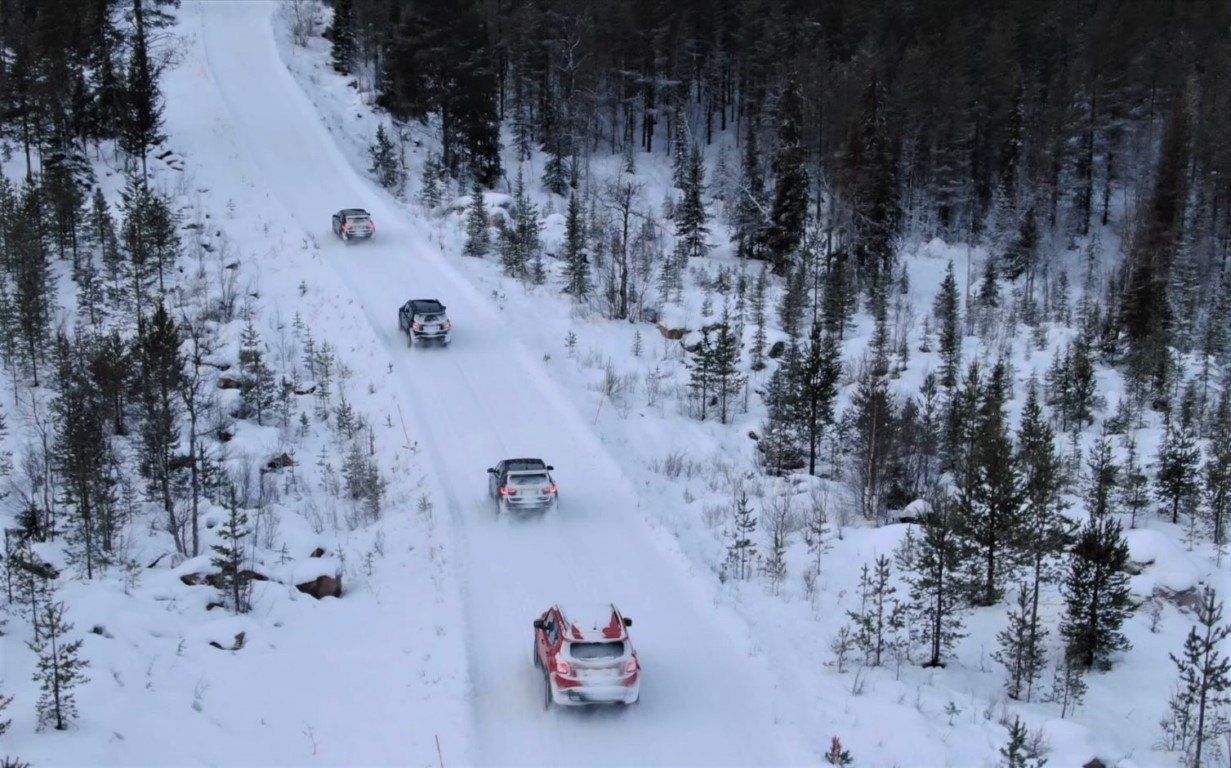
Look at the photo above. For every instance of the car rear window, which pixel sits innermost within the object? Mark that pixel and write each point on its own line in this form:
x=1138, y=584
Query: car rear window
x=528, y=479
x=430, y=318
x=596, y=651
x=364, y=220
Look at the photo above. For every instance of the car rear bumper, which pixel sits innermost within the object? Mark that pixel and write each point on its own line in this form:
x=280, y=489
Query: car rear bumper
x=529, y=503
x=581, y=695
x=433, y=336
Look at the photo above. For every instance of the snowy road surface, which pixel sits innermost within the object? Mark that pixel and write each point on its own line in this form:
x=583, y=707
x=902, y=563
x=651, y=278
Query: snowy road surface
x=480, y=400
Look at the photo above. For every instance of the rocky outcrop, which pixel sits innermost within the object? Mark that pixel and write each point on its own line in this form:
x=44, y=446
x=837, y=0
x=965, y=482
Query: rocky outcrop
x=322, y=586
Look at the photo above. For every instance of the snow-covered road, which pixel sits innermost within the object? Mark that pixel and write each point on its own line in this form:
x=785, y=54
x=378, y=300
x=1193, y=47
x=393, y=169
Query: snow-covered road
x=482, y=399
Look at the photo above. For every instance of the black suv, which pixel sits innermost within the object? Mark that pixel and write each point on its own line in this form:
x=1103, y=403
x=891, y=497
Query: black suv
x=424, y=320
x=522, y=484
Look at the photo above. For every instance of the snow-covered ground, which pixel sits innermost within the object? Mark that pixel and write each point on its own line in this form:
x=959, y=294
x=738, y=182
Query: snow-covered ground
x=430, y=646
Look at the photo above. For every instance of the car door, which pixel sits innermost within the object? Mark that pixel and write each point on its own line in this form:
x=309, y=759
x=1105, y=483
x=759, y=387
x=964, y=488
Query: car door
x=546, y=638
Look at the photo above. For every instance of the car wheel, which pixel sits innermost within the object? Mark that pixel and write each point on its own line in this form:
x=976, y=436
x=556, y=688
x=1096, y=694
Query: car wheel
x=546, y=692
x=534, y=656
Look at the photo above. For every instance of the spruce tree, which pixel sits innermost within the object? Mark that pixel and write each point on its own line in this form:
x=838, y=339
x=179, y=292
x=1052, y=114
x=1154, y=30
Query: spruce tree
x=881, y=617
x=780, y=445
x=1133, y=493
x=142, y=128
x=478, y=235
x=161, y=364
x=33, y=281
x=1197, y=715
x=386, y=164
x=234, y=580
x=1096, y=595
x=342, y=33
x=576, y=263
x=742, y=549
x=1216, y=474
x=817, y=388
x=1177, y=481
x=725, y=371
x=756, y=357
x=935, y=573
x=60, y=668
x=257, y=387
x=1021, y=645
x=1018, y=752
x=872, y=417
x=701, y=371
x=430, y=192
x=690, y=215
x=1103, y=478
x=749, y=212
x=785, y=227
x=946, y=310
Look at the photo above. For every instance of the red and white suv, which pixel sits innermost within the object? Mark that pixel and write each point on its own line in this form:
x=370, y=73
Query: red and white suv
x=586, y=657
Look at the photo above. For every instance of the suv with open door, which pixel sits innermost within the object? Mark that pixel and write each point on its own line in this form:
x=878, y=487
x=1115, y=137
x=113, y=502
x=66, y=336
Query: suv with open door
x=587, y=657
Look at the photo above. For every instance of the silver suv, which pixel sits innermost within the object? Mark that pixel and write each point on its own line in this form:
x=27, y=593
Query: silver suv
x=522, y=484
x=353, y=223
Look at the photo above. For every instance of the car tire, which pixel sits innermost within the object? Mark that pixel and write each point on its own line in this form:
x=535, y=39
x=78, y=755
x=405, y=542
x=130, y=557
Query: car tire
x=534, y=656
x=546, y=692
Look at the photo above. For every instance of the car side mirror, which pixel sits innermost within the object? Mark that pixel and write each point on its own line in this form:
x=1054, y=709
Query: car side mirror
x=491, y=470
x=550, y=468
x=538, y=624
x=628, y=622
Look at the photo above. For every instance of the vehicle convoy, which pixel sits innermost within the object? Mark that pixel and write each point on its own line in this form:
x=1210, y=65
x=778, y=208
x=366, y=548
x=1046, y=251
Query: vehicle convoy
x=353, y=224
x=522, y=484
x=586, y=657
x=424, y=320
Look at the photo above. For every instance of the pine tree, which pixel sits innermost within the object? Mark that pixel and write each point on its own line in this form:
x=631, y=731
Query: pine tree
x=990, y=520
x=780, y=446
x=1177, y=481
x=748, y=215
x=257, y=387
x=785, y=228
x=817, y=388
x=1018, y=751
x=690, y=215
x=949, y=329
x=234, y=580
x=33, y=281
x=1068, y=687
x=142, y=128
x=1096, y=595
x=816, y=528
x=935, y=566
x=430, y=192
x=837, y=754
x=757, y=307
x=701, y=371
x=872, y=416
x=1103, y=478
x=342, y=33
x=1021, y=645
x=162, y=370
x=60, y=668
x=478, y=236
x=1133, y=493
x=881, y=617
x=1216, y=474
x=725, y=371
x=519, y=243
x=386, y=164
x=576, y=263
x=1205, y=677
x=742, y=550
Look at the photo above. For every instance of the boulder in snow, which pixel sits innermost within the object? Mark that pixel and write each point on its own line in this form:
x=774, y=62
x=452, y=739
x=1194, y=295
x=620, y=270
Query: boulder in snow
x=322, y=586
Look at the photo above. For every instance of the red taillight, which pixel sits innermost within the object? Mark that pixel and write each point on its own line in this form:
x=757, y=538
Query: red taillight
x=415, y=325
x=372, y=227
x=346, y=227
x=448, y=325
x=550, y=489
x=631, y=666
x=564, y=668
x=508, y=491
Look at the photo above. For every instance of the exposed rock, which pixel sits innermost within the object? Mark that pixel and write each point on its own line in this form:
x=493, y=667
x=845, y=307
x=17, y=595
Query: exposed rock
x=1095, y=763
x=318, y=552
x=1137, y=567
x=776, y=350
x=752, y=435
x=310, y=390
x=35, y=566
x=239, y=643
x=322, y=586
x=1188, y=600
x=281, y=461
x=227, y=382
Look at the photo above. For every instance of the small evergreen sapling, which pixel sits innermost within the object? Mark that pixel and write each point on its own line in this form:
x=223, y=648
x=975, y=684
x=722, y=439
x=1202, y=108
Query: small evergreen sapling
x=234, y=581
x=478, y=235
x=60, y=668
x=1197, y=713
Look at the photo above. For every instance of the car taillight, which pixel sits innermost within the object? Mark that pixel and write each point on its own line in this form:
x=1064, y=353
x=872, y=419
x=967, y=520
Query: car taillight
x=346, y=227
x=508, y=491
x=564, y=668
x=550, y=489
x=372, y=227
x=415, y=325
x=630, y=667
x=448, y=325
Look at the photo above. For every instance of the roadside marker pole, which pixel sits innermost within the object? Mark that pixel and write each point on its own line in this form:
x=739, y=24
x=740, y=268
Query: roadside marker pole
x=439, y=756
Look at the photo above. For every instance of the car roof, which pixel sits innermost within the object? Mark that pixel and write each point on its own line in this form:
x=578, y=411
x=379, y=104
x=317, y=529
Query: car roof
x=426, y=305
x=354, y=212
x=515, y=465
x=596, y=623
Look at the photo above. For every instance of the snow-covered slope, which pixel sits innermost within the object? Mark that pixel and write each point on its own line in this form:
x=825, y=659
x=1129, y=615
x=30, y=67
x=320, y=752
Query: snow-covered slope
x=468, y=406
